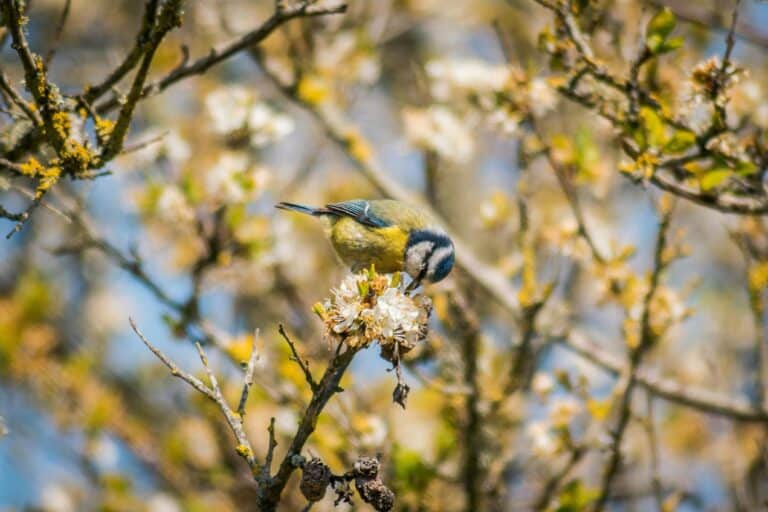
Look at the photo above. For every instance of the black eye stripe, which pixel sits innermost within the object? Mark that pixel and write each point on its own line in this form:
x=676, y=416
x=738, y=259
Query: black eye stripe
x=438, y=239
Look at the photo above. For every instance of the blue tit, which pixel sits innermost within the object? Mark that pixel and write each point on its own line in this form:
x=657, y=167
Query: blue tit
x=391, y=235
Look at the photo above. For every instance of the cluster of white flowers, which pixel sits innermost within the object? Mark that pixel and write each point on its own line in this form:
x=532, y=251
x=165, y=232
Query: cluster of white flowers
x=234, y=180
x=438, y=129
x=502, y=93
x=368, y=307
x=450, y=78
x=237, y=112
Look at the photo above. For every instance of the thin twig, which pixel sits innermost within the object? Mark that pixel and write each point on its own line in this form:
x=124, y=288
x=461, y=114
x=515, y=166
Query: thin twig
x=248, y=377
x=303, y=364
x=18, y=101
x=169, y=17
x=213, y=392
x=215, y=56
x=269, y=494
x=653, y=442
x=556, y=480
x=699, y=399
x=267, y=469
x=58, y=32
x=92, y=93
x=138, y=146
x=175, y=371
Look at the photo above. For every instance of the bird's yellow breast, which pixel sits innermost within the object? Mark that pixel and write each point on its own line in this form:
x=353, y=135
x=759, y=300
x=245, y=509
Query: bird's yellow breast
x=360, y=246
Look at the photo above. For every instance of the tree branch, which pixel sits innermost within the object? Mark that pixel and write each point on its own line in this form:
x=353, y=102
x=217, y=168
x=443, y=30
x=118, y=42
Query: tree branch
x=234, y=420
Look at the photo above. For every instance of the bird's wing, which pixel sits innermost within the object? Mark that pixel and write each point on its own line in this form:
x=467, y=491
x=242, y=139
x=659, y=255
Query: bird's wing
x=360, y=210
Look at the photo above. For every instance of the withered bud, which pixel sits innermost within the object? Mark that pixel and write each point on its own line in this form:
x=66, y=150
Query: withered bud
x=370, y=487
x=376, y=494
x=366, y=467
x=315, y=478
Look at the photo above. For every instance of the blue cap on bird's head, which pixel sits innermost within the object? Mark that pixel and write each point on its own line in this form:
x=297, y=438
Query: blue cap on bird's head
x=429, y=255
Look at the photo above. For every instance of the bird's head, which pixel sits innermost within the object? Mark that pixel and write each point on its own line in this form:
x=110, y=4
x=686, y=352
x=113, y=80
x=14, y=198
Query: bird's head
x=429, y=255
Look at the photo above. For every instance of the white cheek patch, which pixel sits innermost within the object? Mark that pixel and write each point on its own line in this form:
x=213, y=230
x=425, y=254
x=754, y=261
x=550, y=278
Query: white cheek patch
x=437, y=257
x=415, y=256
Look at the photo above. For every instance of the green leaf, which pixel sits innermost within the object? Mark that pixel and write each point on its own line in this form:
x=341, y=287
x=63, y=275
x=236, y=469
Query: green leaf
x=714, y=178
x=235, y=215
x=576, y=497
x=745, y=168
x=655, y=135
x=659, y=28
x=671, y=44
x=681, y=141
x=410, y=470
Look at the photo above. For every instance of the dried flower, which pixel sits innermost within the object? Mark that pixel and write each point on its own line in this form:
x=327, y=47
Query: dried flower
x=315, y=479
x=369, y=485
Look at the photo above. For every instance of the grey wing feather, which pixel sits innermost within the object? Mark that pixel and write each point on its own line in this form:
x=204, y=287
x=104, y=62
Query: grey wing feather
x=360, y=210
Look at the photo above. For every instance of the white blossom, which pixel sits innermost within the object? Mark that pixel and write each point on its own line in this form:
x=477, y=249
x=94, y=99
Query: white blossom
x=563, y=410
x=438, y=129
x=232, y=179
x=235, y=109
x=267, y=126
x=375, y=432
x=462, y=76
x=541, y=97
x=383, y=313
x=228, y=108
x=392, y=313
x=104, y=452
x=161, y=502
x=543, y=442
x=542, y=384
x=175, y=148
x=55, y=498
x=172, y=206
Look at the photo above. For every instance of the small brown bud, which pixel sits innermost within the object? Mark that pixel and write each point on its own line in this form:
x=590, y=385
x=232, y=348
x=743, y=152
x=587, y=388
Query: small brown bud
x=315, y=478
x=370, y=487
x=376, y=494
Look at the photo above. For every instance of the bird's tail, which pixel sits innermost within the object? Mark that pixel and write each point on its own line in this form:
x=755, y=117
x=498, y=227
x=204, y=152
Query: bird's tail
x=298, y=208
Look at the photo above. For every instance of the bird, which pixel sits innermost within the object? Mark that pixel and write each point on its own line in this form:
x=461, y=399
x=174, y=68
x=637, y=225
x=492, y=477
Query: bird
x=391, y=235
